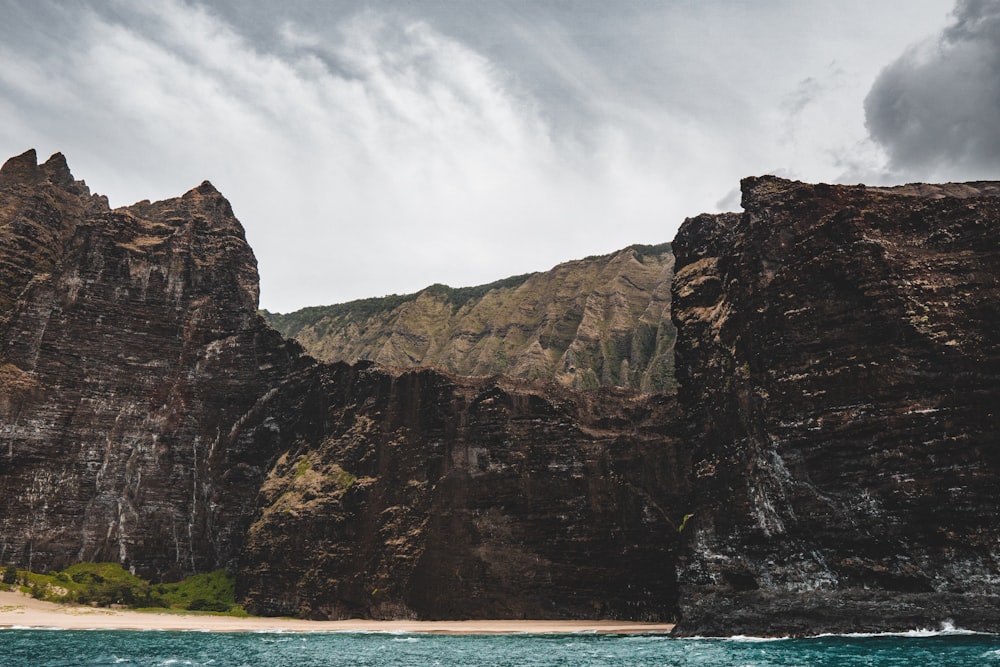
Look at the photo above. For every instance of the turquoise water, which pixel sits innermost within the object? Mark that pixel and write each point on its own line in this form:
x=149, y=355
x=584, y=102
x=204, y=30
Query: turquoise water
x=66, y=648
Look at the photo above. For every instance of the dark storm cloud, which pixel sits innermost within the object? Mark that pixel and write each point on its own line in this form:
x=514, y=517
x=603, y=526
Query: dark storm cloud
x=936, y=110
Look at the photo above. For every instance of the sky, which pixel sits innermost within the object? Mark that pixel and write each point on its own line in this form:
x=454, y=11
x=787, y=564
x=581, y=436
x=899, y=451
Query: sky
x=377, y=147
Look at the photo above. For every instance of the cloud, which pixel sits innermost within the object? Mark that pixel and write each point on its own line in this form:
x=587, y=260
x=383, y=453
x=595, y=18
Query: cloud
x=374, y=157
x=936, y=109
x=379, y=150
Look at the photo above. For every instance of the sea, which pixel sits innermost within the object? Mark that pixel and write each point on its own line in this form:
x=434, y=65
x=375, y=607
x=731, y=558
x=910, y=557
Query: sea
x=66, y=648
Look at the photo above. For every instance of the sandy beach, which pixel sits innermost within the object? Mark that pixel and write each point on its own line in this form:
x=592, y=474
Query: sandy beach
x=22, y=611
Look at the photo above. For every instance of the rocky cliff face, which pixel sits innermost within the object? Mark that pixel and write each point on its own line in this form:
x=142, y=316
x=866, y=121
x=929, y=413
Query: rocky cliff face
x=133, y=370
x=839, y=361
x=835, y=437
x=148, y=416
x=433, y=496
x=600, y=321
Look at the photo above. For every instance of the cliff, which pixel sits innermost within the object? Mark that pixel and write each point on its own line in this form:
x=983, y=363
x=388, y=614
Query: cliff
x=828, y=464
x=434, y=496
x=132, y=370
x=838, y=355
x=149, y=416
x=599, y=321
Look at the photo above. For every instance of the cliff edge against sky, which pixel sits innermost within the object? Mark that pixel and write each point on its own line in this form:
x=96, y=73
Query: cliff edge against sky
x=829, y=462
x=599, y=321
x=150, y=417
x=838, y=358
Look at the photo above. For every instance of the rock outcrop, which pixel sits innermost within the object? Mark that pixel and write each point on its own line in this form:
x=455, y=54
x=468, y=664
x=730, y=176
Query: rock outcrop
x=433, y=496
x=839, y=364
x=829, y=464
x=149, y=416
x=133, y=373
x=599, y=321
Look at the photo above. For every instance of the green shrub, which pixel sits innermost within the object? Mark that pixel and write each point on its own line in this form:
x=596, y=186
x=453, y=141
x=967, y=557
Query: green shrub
x=201, y=604
x=103, y=584
x=106, y=584
x=10, y=574
x=213, y=591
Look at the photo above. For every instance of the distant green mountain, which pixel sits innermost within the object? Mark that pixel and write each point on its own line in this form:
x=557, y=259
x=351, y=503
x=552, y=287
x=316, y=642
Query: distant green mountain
x=603, y=320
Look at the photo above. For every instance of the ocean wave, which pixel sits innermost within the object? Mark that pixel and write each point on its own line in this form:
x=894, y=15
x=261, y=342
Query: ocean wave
x=734, y=638
x=947, y=629
x=350, y=631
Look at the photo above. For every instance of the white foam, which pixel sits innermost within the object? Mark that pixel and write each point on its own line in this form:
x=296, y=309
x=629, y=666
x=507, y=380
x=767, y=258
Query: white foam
x=752, y=639
x=947, y=629
x=736, y=638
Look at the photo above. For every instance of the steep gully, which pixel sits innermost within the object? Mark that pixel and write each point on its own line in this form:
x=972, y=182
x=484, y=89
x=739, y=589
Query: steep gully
x=834, y=434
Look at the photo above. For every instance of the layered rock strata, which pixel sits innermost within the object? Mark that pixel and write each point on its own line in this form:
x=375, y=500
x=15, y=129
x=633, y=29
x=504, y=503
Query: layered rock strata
x=433, y=496
x=839, y=362
x=599, y=321
x=149, y=416
x=834, y=442
x=134, y=376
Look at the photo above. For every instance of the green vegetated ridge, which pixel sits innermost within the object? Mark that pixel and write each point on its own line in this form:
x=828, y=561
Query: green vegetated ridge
x=109, y=584
x=599, y=321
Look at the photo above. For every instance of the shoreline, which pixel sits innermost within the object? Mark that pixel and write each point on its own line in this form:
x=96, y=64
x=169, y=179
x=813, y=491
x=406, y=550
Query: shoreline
x=24, y=612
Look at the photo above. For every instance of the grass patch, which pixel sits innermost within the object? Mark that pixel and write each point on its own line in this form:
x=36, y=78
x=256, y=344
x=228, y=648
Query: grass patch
x=303, y=467
x=100, y=584
x=213, y=591
x=343, y=478
x=109, y=584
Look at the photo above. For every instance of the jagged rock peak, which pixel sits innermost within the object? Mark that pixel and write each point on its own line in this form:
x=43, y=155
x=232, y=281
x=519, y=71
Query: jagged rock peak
x=57, y=169
x=208, y=199
x=767, y=181
x=206, y=189
x=759, y=190
x=203, y=202
x=129, y=337
x=23, y=167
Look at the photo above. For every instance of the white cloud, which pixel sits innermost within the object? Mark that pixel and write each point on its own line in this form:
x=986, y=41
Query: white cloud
x=380, y=158
x=377, y=152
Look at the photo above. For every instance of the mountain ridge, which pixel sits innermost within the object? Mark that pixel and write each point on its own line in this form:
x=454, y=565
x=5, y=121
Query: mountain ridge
x=150, y=417
x=839, y=368
x=598, y=321
x=828, y=463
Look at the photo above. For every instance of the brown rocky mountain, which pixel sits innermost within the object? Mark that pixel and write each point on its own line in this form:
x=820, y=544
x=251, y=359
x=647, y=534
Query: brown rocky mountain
x=434, y=496
x=834, y=435
x=839, y=365
x=131, y=366
x=599, y=321
x=149, y=416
